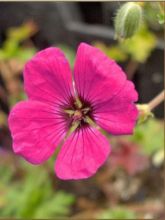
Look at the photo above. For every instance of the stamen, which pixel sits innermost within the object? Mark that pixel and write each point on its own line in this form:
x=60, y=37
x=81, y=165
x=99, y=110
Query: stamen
x=78, y=103
x=74, y=126
x=88, y=120
x=69, y=111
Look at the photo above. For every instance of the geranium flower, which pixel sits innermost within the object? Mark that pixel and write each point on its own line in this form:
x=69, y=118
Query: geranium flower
x=61, y=108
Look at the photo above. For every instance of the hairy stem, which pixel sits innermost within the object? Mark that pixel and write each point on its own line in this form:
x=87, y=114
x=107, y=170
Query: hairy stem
x=156, y=101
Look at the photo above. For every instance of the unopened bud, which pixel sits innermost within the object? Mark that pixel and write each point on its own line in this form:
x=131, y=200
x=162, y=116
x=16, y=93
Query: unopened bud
x=127, y=20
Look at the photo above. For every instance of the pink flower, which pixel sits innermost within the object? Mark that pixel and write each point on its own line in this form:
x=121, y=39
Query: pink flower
x=58, y=109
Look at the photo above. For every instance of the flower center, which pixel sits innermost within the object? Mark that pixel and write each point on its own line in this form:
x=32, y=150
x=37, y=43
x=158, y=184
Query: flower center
x=80, y=114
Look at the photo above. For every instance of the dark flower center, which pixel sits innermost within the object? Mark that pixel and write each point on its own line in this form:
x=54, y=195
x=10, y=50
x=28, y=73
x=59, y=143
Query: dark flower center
x=79, y=113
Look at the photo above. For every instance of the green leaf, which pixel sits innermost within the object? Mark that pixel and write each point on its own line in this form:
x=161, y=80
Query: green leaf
x=58, y=205
x=22, y=32
x=33, y=195
x=140, y=46
x=25, y=54
x=153, y=14
x=118, y=213
x=10, y=48
x=161, y=18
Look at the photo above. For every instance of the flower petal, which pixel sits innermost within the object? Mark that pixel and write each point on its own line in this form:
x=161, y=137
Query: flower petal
x=118, y=115
x=82, y=154
x=47, y=77
x=97, y=77
x=36, y=130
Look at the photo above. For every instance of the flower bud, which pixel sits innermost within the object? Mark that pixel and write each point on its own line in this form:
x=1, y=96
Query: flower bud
x=127, y=20
x=144, y=112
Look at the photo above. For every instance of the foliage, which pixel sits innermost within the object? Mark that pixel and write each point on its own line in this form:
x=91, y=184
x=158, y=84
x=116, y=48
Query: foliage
x=161, y=18
x=154, y=14
x=22, y=32
x=131, y=47
x=33, y=196
x=133, y=154
x=113, y=52
x=150, y=136
x=140, y=46
x=118, y=213
x=12, y=47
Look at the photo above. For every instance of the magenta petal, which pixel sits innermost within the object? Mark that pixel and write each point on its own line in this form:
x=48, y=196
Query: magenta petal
x=97, y=77
x=36, y=130
x=82, y=154
x=48, y=78
x=118, y=115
